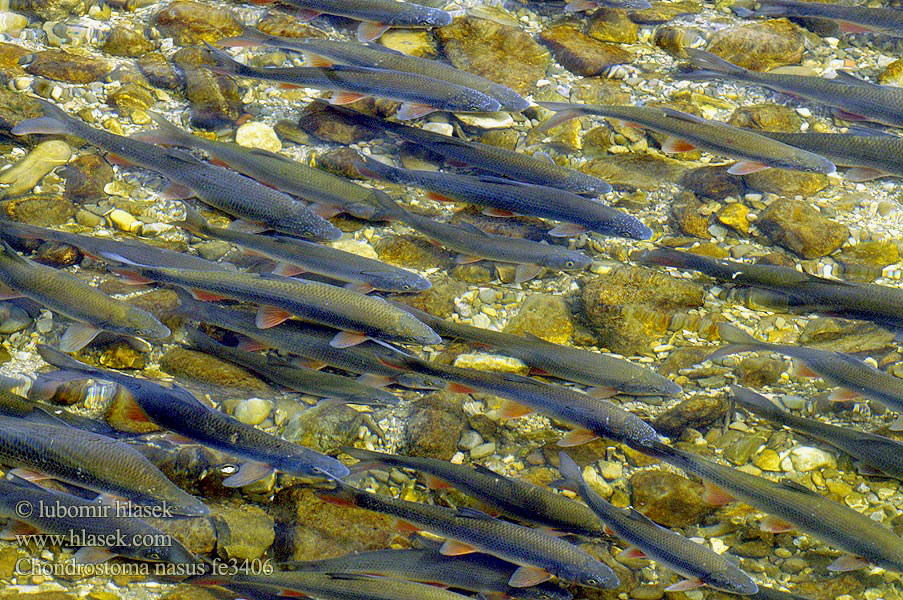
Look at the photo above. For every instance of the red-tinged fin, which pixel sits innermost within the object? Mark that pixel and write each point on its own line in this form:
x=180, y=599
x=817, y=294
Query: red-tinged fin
x=346, y=339
x=608, y=530
x=524, y=273
x=359, y=287
x=324, y=210
x=460, y=388
x=290, y=593
x=800, y=369
x=77, y=336
x=176, y=191
x=848, y=562
x=601, y=392
x=406, y=528
x=248, y=472
x=312, y=59
x=29, y=475
x=745, y=167
x=116, y=159
x=251, y=345
x=328, y=498
x=685, y=585
x=633, y=552
x=567, y=230
x=674, y=145
x=580, y=5
x=377, y=381
x=92, y=555
x=514, y=410
x=630, y=124
x=8, y=293
x=847, y=27
x=14, y=528
x=245, y=226
x=289, y=86
x=342, y=98
x=847, y=116
x=844, y=395
x=576, y=437
x=528, y=577
x=413, y=110
x=368, y=31
x=205, y=296
x=131, y=277
x=533, y=370
x=270, y=316
x=456, y=548
x=497, y=212
x=304, y=14
x=457, y=163
x=434, y=483
x=715, y=496
x=215, y=161
x=859, y=174
x=463, y=259
x=153, y=136
x=287, y=270
x=439, y=197
x=773, y=524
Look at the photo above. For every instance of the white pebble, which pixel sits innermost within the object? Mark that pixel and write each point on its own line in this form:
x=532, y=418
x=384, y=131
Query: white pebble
x=252, y=411
x=257, y=135
x=483, y=450
x=806, y=458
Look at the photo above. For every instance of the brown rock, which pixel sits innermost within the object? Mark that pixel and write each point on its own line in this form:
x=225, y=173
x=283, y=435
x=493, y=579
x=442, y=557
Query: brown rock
x=759, y=46
x=435, y=425
x=158, y=71
x=801, y=229
x=713, y=182
x=209, y=370
x=242, y=533
x=633, y=171
x=612, y=25
x=192, y=23
x=668, y=499
x=215, y=100
x=127, y=41
x=544, y=315
x=580, y=53
x=787, y=183
x=687, y=217
x=768, y=117
x=693, y=412
x=285, y=25
x=39, y=209
x=758, y=371
x=59, y=65
x=86, y=177
x=321, y=120
x=10, y=55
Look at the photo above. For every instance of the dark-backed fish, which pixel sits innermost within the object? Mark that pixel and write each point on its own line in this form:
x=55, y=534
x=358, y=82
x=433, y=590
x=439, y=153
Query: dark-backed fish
x=607, y=374
x=296, y=256
x=698, y=563
x=586, y=5
x=876, y=452
x=539, y=555
x=855, y=377
x=66, y=294
x=791, y=505
x=851, y=19
x=419, y=95
x=221, y=188
x=295, y=377
x=92, y=461
x=514, y=498
x=505, y=197
x=325, y=53
x=851, y=98
x=174, y=408
x=687, y=132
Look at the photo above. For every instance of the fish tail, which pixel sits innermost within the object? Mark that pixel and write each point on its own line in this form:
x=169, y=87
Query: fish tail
x=342, y=494
x=756, y=403
x=709, y=66
x=374, y=169
x=166, y=133
x=737, y=339
x=55, y=120
x=194, y=222
x=668, y=257
x=62, y=361
x=564, y=112
x=250, y=36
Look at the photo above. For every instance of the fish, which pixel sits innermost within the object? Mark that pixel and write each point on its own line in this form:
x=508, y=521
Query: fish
x=855, y=377
x=419, y=95
x=850, y=97
x=504, y=197
x=91, y=461
x=220, y=188
x=877, y=454
x=493, y=159
x=67, y=295
x=174, y=408
x=851, y=19
x=113, y=251
x=880, y=304
x=376, y=16
x=791, y=505
x=587, y=5
x=539, y=555
x=294, y=256
x=687, y=132
x=512, y=497
x=871, y=154
x=607, y=374
x=309, y=341
x=473, y=244
x=358, y=316
x=698, y=563
x=14, y=405
x=326, y=53
x=474, y=572
x=90, y=524
x=328, y=193
x=590, y=417
x=295, y=377
x=327, y=586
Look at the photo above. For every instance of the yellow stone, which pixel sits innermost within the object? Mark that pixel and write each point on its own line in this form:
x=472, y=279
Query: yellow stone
x=491, y=362
x=413, y=42
x=768, y=460
x=254, y=134
x=735, y=216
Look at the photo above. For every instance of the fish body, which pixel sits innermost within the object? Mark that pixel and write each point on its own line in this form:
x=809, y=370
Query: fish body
x=482, y=573
x=66, y=294
x=420, y=95
x=557, y=360
x=327, y=192
x=876, y=451
x=92, y=461
x=495, y=159
x=515, y=498
x=302, y=256
x=376, y=15
x=16, y=406
x=591, y=417
x=517, y=198
x=295, y=377
x=221, y=188
x=852, y=19
x=317, y=302
x=587, y=5
x=323, y=53
x=698, y=563
x=176, y=409
x=77, y=519
x=851, y=98
x=797, y=505
x=755, y=152
x=539, y=554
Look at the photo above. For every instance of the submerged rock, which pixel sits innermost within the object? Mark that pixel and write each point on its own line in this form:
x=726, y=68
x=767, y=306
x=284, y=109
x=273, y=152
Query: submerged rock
x=693, y=412
x=209, y=370
x=214, y=99
x=580, y=53
x=435, y=425
x=787, y=183
x=60, y=65
x=759, y=46
x=242, y=533
x=713, y=182
x=802, y=229
x=86, y=177
x=192, y=23
x=768, y=117
x=612, y=25
x=39, y=209
x=325, y=427
x=668, y=499
x=686, y=215
x=545, y=316
x=127, y=41
x=27, y=172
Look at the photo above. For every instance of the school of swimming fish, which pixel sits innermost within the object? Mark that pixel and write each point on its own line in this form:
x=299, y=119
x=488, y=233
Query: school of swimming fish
x=523, y=544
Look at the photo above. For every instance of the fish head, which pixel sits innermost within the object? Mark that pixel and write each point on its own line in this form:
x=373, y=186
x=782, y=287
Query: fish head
x=809, y=163
x=566, y=260
x=591, y=573
x=629, y=227
x=174, y=552
x=544, y=591
x=400, y=282
x=731, y=580
x=420, y=382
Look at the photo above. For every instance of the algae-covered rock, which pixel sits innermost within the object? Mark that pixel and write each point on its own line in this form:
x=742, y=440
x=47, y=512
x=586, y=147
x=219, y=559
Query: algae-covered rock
x=735, y=216
x=127, y=41
x=758, y=371
x=580, y=53
x=675, y=39
x=283, y=24
x=545, y=316
x=215, y=100
x=192, y=23
x=325, y=427
x=787, y=183
x=39, y=209
x=411, y=252
x=491, y=362
x=663, y=12
x=844, y=335
x=759, y=46
x=668, y=499
x=687, y=217
x=209, y=370
x=439, y=300
x=158, y=71
x=693, y=412
x=86, y=177
x=768, y=117
x=435, y=425
x=612, y=25
x=60, y=65
x=802, y=229
x=242, y=533
x=321, y=120
x=636, y=171
x=713, y=182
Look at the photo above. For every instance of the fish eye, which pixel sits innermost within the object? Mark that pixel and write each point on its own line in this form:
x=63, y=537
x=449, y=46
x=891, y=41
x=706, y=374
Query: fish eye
x=570, y=264
x=154, y=555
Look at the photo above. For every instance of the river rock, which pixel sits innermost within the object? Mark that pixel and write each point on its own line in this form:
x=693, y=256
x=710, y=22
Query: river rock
x=787, y=183
x=759, y=46
x=127, y=41
x=758, y=371
x=768, y=117
x=676, y=39
x=687, y=217
x=60, y=65
x=668, y=499
x=664, y=12
x=283, y=24
x=242, y=533
x=325, y=427
x=844, y=335
x=694, y=412
x=159, y=71
x=209, y=370
x=435, y=426
x=191, y=23
x=321, y=120
x=612, y=25
x=439, y=300
x=43, y=210
x=713, y=182
x=545, y=316
x=86, y=177
x=802, y=229
x=581, y=54
x=636, y=171
x=215, y=100
x=411, y=252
